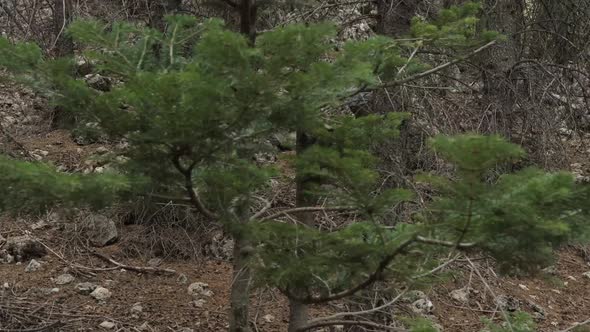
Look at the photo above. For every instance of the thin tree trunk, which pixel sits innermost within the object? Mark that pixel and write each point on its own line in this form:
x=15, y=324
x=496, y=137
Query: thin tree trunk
x=298, y=315
x=62, y=16
x=240, y=288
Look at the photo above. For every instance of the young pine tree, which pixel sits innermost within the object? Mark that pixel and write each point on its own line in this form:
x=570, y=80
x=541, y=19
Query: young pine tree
x=195, y=111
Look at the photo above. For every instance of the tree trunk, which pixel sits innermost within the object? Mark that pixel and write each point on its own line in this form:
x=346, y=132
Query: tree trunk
x=62, y=16
x=248, y=10
x=499, y=87
x=395, y=16
x=240, y=289
x=298, y=315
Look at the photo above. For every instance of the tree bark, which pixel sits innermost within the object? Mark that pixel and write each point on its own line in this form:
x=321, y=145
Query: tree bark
x=62, y=16
x=240, y=289
x=395, y=16
x=499, y=86
x=298, y=315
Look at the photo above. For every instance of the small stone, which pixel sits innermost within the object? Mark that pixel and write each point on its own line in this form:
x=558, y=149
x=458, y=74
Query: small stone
x=268, y=318
x=39, y=225
x=586, y=274
x=144, y=327
x=102, y=231
x=86, y=288
x=64, y=279
x=6, y=285
x=507, y=303
x=422, y=307
x=107, y=325
x=199, y=303
x=33, y=266
x=198, y=289
x=155, y=262
x=102, y=150
x=182, y=278
x=137, y=308
x=101, y=294
x=460, y=295
x=523, y=287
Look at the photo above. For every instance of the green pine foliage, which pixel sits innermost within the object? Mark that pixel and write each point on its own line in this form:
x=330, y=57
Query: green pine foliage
x=197, y=103
x=519, y=218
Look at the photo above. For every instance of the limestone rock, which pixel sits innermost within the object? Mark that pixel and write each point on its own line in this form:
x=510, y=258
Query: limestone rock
x=422, y=306
x=33, y=266
x=107, y=325
x=460, y=295
x=155, y=262
x=101, y=230
x=199, y=289
x=64, y=279
x=101, y=294
x=86, y=287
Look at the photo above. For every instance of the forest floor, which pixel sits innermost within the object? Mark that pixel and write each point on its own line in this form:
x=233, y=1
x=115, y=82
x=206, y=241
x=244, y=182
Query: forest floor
x=144, y=300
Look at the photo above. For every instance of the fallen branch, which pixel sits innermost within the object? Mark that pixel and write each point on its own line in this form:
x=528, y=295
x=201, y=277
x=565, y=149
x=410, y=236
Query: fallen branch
x=307, y=209
x=141, y=269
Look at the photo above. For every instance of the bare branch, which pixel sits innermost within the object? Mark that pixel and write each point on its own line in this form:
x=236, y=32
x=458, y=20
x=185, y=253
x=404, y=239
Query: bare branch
x=307, y=209
x=435, y=69
x=132, y=268
x=190, y=189
x=358, y=313
x=444, y=243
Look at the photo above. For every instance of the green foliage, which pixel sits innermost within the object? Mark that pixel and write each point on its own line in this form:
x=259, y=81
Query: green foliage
x=517, y=322
x=520, y=218
x=34, y=187
x=301, y=258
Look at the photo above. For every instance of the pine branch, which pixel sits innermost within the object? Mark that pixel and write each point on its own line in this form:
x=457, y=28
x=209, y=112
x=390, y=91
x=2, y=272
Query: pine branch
x=194, y=197
x=375, y=276
x=433, y=70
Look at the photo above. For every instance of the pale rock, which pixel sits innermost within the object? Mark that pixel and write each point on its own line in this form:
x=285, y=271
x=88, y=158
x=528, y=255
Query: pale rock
x=137, y=309
x=460, y=295
x=101, y=294
x=199, y=289
x=182, y=279
x=86, y=287
x=268, y=318
x=64, y=279
x=422, y=307
x=107, y=325
x=155, y=262
x=101, y=230
x=586, y=274
x=33, y=266
x=102, y=150
x=200, y=303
